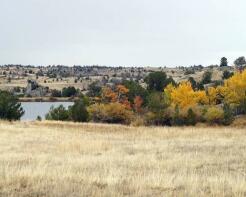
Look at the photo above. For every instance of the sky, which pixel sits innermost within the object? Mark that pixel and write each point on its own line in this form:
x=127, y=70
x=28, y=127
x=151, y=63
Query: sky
x=122, y=32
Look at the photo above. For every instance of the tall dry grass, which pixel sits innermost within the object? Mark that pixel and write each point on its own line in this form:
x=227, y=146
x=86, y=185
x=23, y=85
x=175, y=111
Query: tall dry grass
x=68, y=159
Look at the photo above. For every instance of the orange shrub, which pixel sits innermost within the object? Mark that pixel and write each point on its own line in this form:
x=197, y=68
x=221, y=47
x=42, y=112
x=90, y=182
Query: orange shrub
x=110, y=113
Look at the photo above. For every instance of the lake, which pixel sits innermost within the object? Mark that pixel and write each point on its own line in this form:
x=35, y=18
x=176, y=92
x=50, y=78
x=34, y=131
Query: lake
x=34, y=109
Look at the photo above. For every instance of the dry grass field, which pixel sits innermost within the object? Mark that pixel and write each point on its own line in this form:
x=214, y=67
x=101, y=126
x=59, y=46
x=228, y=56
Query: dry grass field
x=68, y=159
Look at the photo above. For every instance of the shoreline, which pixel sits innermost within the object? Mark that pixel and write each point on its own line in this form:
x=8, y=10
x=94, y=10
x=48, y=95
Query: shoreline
x=47, y=99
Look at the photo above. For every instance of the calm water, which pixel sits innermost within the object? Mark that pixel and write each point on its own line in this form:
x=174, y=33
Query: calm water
x=34, y=109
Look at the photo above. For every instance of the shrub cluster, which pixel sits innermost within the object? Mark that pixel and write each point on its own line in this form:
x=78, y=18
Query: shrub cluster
x=77, y=112
x=178, y=105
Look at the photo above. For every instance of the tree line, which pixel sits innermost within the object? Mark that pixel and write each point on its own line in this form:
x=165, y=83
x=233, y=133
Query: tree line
x=162, y=102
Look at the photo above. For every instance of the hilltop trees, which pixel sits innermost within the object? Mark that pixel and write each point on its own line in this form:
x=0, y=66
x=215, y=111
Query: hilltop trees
x=223, y=62
x=239, y=62
x=10, y=108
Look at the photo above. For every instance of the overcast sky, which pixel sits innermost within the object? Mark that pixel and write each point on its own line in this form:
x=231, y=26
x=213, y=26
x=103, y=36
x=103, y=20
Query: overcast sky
x=122, y=32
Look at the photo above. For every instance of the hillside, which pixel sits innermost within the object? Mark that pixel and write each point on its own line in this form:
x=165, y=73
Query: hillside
x=69, y=159
x=58, y=77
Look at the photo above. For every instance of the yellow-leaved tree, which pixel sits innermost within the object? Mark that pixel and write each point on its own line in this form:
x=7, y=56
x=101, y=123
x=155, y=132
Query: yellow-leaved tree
x=184, y=95
x=234, y=89
x=212, y=94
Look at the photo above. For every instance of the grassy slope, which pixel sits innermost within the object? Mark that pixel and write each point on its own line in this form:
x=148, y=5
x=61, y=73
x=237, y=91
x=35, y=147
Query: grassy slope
x=67, y=159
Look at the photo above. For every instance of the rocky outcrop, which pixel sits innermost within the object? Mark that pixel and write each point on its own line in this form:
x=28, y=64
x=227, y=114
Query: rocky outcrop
x=35, y=90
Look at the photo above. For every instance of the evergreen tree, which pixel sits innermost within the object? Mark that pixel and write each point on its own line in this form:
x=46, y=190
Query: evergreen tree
x=223, y=62
x=78, y=111
x=10, y=108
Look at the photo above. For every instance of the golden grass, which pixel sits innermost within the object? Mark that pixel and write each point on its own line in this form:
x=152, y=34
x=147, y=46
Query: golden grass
x=68, y=159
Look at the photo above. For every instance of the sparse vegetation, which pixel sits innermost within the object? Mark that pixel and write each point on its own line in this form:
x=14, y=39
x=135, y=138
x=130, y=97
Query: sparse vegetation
x=71, y=159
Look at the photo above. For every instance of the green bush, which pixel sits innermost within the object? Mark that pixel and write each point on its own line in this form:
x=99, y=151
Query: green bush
x=214, y=115
x=56, y=93
x=228, y=115
x=177, y=119
x=69, y=91
x=207, y=77
x=227, y=74
x=78, y=112
x=10, y=108
x=58, y=113
x=187, y=116
x=157, y=102
x=191, y=117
